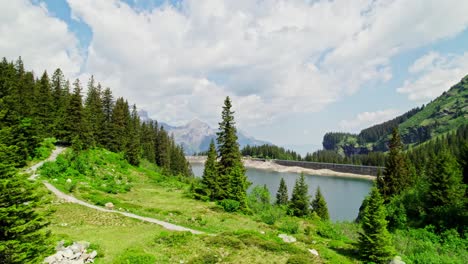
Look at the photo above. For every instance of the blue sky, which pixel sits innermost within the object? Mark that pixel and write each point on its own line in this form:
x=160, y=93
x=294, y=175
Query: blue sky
x=294, y=69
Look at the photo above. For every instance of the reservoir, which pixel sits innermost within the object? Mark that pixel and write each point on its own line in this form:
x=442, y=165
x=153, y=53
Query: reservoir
x=343, y=195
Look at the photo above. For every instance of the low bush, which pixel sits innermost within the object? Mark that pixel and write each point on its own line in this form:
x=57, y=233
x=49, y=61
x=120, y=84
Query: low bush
x=230, y=205
x=45, y=149
x=301, y=259
x=289, y=226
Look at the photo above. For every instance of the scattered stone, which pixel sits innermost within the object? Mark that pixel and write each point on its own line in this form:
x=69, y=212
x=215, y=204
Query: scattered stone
x=69, y=180
x=73, y=254
x=262, y=232
x=287, y=239
x=109, y=206
x=397, y=260
x=314, y=252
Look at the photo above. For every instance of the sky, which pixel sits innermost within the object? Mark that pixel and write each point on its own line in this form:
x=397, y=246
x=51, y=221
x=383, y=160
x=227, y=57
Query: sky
x=294, y=69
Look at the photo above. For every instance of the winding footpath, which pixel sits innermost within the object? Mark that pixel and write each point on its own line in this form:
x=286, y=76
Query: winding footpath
x=71, y=199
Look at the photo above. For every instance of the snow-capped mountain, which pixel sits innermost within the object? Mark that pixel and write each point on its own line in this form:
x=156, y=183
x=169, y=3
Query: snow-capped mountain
x=196, y=135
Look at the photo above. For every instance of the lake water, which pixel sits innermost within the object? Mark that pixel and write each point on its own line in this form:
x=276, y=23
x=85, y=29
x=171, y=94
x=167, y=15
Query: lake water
x=343, y=195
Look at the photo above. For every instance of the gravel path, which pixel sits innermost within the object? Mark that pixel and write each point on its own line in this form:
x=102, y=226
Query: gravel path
x=71, y=199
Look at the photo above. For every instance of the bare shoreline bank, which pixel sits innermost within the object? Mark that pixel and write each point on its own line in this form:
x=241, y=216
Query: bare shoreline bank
x=272, y=166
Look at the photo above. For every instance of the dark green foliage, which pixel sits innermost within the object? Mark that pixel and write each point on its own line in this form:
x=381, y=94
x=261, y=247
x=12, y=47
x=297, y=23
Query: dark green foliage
x=231, y=171
x=270, y=152
x=44, y=106
x=77, y=128
x=282, y=194
x=210, y=173
x=375, y=241
x=396, y=176
x=94, y=111
x=299, y=204
x=23, y=237
x=290, y=226
x=120, y=125
x=173, y=238
x=446, y=192
x=319, y=205
x=230, y=205
x=107, y=107
x=133, y=147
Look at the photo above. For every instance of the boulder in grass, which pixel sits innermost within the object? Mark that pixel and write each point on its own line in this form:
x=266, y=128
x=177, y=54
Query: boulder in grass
x=109, y=206
x=287, y=239
x=397, y=260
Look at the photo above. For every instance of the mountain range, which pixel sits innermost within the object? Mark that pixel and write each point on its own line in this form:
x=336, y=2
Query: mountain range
x=442, y=115
x=196, y=135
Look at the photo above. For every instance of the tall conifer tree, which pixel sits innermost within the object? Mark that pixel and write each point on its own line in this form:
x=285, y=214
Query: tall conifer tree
x=299, y=204
x=375, y=241
x=396, y=176
x=210, y=172
x=231, y=176
x=319, y=205
x=282, y=194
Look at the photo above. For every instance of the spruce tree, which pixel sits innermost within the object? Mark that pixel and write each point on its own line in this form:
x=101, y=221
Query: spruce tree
x=210, y=173
x=94, y=110
x=231, y=177
x=396, y=176
x=23, y=236
x=299, y=204
x=132, y=150
x=282, y=194
x=445, y=197
x=120, y=124
x=61, y=97
x=319, y=205
x=76, y=125
x=374, y=242
x=44, y=106
x=107, y=107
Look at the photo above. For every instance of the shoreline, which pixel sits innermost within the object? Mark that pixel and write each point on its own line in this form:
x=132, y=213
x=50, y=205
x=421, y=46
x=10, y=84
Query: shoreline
x=271, y=166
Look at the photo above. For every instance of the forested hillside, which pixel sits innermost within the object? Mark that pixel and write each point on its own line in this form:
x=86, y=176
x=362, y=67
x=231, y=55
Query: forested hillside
x=446, y=113
x=34, y=108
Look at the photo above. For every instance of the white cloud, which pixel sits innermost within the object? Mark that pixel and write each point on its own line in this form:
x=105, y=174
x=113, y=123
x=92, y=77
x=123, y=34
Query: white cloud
x=367, y=119
x=43, y=42
x=270, y=56
x=435, y=73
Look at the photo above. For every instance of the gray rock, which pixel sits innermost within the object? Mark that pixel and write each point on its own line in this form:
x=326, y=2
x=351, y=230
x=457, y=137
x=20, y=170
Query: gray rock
x=76, y=248
x=93, y=254
x=287, y=239
x=397, y=260
x=314, y=252
x=67, y=253
x=60, y=246
x=109, y=206
x=50, y=259
x=76, y=255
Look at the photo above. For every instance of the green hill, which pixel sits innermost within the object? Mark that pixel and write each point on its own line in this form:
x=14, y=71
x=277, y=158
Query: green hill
x=444, y=114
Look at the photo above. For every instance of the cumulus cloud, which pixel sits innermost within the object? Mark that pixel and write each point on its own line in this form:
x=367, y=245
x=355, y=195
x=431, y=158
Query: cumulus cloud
x=43, y=42
x=179, y=61
x=367, y=119
x=435, y=73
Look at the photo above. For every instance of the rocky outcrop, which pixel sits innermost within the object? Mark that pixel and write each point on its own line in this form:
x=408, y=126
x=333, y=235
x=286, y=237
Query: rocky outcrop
x=73, y=254
x=287, y=239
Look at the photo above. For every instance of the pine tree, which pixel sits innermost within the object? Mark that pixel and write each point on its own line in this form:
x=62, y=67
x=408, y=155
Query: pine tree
x=94, y=110
x=147, y=139
x=163, y=151
x=319, y=205
x=299, y=204
x=231, y=176
x=76, y=125
x=44, y=106
x=23, y=237
x=396, y=176
x=375, y=241
x=107, y=107
x=61, y=97
x=445, y=197
x=210, y=172
x=282, y=194
x=132, y=150
x=120, y=123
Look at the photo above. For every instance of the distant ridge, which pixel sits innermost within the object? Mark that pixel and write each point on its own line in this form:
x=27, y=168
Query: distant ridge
x=196, y=135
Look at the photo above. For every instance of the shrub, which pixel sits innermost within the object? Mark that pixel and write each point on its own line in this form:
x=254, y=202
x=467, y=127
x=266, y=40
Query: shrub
x=327, y=230
x=45, y=149
x=290, y=226
x=226, y=241
x=207, y=258
x=230, y=205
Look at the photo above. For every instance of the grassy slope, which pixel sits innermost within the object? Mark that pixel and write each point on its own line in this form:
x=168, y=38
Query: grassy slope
x=232, y=238
x=239, y=238
x=442, y=111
